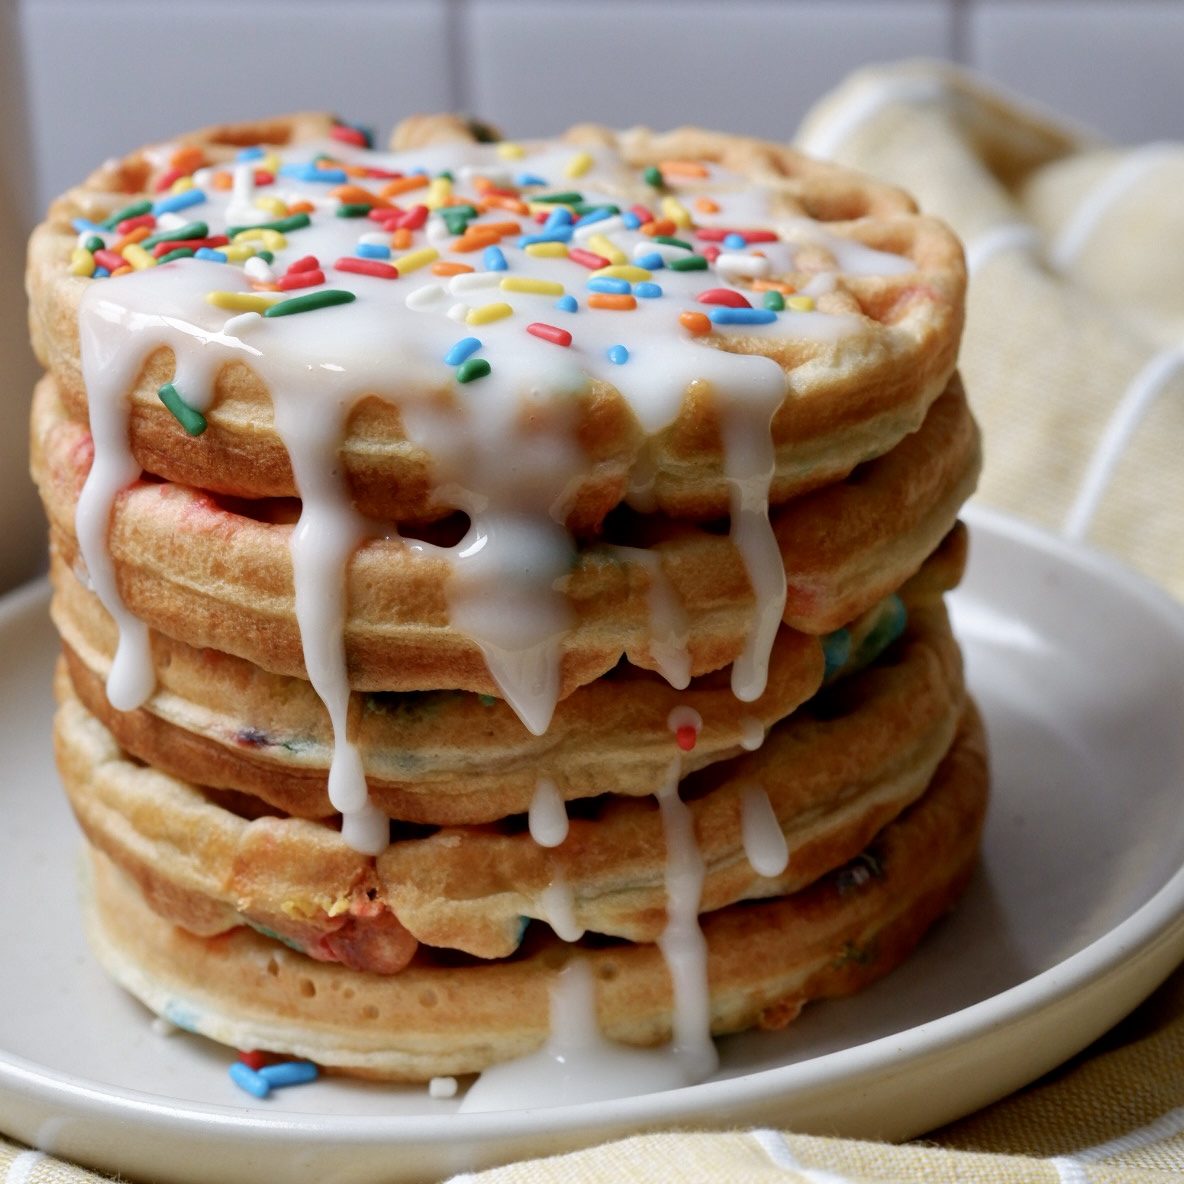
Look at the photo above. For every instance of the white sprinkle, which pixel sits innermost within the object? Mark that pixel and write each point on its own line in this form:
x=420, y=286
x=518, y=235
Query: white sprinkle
x=442, y=1087
x=752, y=266
x=470, y=281
x=425, y=296
x=646, y=247
x=257, y=269
x=604, y=226
x=458, y=312
x=237, y=324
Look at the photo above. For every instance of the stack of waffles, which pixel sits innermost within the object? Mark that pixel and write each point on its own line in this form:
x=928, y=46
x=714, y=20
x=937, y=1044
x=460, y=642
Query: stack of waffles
x=479, y=562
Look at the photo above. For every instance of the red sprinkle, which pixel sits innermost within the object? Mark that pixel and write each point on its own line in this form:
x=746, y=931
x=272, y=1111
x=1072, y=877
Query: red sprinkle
x=550, y=333
x=414, y=218
x=214, y=242
x=717, y=234
x=686, y=737
x=643, y=212
x=307, y=263
x=375, y=267
x=382, y=174
x=264, y=177
x=300, y=279
x=109, y=259
x=348, y=135
x=166, y=179
x=723, y=296
x=392, y=213
x=130, y=224
x=711, y=253
x=255, y=1059
x=588, y=259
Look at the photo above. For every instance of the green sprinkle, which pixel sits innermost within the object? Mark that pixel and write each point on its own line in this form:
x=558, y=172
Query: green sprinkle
x=188, y=417
x=460, y=211
x=487, y=700
x=309, y=302
x=673, y=242
x=189, y=230
x=94, y=243
x=562, y=199
x=775, y=301
x=446, y=175
x=354, y=209
x=689, y=263
x=653, y=176
x=133, y=211
x=266, y=256
x=471, y=369
x=589, y=207
x=179, y=253
x=283, y=225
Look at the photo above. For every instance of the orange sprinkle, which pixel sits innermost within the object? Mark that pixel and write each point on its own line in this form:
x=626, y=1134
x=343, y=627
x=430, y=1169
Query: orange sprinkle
x=261, y=286
x=301, y=207
x=501, y=227
x=222, y=180
x=401, y=239
x=661, y=226
x=187, y=158
x=328, y=162
x=682, y=168
x=122, y=270
x=773, y=286
x=706, y=206
x=493, y=201
x=359, y=195
x=404, y=185
x=447, y=267
x=354, y=170
x=695, y=322
x=133, y=236
x=608, y=300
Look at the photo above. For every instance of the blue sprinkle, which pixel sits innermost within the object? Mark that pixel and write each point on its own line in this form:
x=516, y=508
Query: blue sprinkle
x=289, y=1073
x=742, y=316
x=99, y=273
x=494, y=260
x=178, y=201
x=86, y=226
x=836, y=650
x=310, y=172
x=373, y=251
x=246, y=1078
x=567, y=304
x=561, y=234
x=559, y=216
x=210, y=254
x=461, y=350
x=604, y=283
x=618, y=354
x=255, y=153
x=734, y=242
x=631, y=220
x=420, y=172
x=524, y=179
x=651, y=261
x=597, y=215
x=648, y=291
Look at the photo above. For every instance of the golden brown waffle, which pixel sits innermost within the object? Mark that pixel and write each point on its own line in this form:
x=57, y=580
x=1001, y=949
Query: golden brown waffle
x=766, y=960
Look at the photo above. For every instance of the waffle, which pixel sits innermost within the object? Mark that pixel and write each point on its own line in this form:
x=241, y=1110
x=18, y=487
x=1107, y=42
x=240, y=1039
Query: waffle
x=481, y=559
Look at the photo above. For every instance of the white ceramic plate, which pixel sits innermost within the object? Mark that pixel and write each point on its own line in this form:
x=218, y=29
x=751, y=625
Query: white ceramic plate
x=1076, y=914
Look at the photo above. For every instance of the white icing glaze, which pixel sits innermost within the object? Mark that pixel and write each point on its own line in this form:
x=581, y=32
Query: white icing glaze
x=442, y=1087
x=547, y=815
x=669, y=628
x=558, y=903
x=764, y=842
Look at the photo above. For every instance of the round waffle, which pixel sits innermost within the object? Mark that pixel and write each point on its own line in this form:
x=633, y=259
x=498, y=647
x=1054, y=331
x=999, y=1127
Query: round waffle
x=854, y=383
x=834, y=773
x=206, y=573
x=766, y=960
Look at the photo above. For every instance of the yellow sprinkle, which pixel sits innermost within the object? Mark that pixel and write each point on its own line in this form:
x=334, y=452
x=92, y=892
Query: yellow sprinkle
x=269, y=163
x=140, y=259
x=578, y=165
x=607, y=248
x=624, y=271
x=272, y=205
x=439, y=193
x=240, y=301
x=271, y=239
x=510, y=151
x=82, y=262
x=548, y=250
x=522, y=283
x=339, y=906
x=676, y=212
x=181, y=184
x=416, y=259
x=548, y=207
x=800, y=303
x=237, y=252
x=487, y=313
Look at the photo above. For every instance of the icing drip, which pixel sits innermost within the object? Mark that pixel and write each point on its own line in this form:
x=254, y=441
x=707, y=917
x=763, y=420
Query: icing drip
x=752, y=734
x=547, y=815
x=669, y=628
x=764, y=842
x=558, y=904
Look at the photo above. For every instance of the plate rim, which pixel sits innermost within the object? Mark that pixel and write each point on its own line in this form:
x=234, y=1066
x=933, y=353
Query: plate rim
x=1159, y=920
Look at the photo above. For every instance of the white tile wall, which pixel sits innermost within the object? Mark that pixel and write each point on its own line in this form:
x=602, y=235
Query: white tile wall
x=1114, y=66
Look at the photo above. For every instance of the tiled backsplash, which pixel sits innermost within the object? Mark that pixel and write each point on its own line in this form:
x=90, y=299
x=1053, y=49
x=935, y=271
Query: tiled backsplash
x=101, y=77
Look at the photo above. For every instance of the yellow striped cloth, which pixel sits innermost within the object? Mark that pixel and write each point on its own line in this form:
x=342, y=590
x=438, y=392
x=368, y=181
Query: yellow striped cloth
x=1074, y=361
